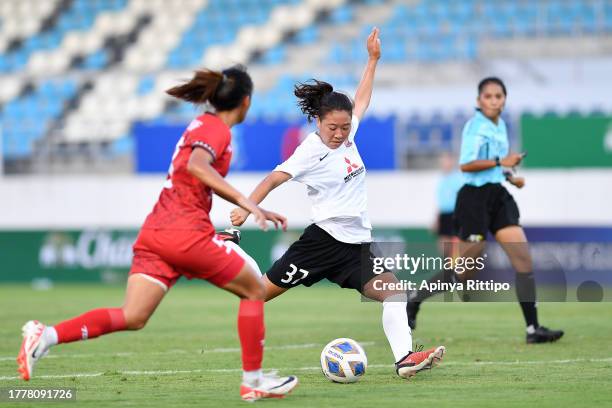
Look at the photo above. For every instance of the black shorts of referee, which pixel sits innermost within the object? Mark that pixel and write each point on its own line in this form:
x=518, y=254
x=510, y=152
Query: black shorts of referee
x=446, y=224
x=486, y=208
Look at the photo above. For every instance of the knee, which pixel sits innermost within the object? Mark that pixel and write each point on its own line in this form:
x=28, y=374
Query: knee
x=522, y=263
x=255, y=291
x=396, y=298
x=135, y=321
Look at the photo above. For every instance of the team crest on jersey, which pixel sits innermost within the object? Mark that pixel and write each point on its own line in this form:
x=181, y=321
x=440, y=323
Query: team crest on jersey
x=352, y=169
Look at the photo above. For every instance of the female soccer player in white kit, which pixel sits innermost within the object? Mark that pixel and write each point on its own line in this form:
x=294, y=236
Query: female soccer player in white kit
x=337, y=245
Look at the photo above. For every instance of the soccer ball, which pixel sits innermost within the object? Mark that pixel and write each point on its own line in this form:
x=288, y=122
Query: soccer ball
x=343, y=360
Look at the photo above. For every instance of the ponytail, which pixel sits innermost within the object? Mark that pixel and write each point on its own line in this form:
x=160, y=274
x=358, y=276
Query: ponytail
x=317, y=99
x=223, y=90
x=199, y=89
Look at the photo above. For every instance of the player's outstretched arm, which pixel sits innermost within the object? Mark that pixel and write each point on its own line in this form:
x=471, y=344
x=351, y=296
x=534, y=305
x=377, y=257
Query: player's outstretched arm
x=272, y=180
x=364, y=90
x=199, y=166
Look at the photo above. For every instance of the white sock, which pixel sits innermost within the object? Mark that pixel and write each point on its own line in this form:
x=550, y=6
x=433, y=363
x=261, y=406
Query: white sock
x=395, y=325
x=530, y=329
x=50, y=336
x=252, y=378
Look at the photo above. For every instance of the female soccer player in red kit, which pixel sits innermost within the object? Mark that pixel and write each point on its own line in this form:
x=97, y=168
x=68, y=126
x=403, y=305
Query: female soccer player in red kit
x=178, y=239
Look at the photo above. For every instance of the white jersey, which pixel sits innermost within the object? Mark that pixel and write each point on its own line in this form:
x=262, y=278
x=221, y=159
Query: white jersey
x=335, y=179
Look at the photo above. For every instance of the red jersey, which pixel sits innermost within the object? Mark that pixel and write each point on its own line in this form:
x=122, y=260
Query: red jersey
x=185, y=202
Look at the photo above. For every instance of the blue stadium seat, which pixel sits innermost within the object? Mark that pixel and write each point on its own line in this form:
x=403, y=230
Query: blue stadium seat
x=95, y=61
x=145, y=85
x=25, y=119
x=79, y=16
x=342, y=14
x=307, y=35
x=396, y=51
x=421, y=31
x=122, y=146
x=217, y=24
x=274, y=55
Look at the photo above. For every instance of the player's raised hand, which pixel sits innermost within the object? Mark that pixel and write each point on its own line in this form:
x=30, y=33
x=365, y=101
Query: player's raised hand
x=276, y=219
x=238, y=216
x=373, y=44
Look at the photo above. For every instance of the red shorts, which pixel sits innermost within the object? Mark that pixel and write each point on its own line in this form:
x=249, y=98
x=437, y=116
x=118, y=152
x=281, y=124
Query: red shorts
x=166, y=255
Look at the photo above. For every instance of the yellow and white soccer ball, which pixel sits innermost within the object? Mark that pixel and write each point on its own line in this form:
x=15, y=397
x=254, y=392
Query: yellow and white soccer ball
x=343, y=360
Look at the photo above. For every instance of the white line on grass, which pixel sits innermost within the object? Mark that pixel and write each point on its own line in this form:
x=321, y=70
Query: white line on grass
x=180, y=351
x=236, y=370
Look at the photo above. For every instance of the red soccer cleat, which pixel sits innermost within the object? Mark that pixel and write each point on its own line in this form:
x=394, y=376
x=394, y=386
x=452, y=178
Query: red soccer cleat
x=420, y=360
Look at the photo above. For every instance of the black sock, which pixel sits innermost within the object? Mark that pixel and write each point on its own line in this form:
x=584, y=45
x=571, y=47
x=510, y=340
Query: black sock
x=444, y=275
x=526, y=294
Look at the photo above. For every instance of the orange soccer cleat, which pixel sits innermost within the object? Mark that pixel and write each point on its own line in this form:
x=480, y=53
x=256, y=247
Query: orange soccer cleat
x=33, y=348
x=270, y=386
x=420, y=360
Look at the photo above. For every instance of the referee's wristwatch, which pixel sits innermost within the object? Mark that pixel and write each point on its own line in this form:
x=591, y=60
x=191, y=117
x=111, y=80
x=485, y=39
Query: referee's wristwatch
x=497, y=161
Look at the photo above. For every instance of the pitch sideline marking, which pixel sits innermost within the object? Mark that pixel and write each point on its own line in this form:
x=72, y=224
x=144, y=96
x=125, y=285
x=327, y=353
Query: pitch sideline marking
x=180, y=351
x=235, y=370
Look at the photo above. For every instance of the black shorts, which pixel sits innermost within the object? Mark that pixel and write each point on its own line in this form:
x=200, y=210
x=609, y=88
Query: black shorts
x=481, y=209
x=316, y=256
x=446, y=224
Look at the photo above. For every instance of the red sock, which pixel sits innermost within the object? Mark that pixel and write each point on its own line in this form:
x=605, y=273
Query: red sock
x=251, y=330
x=90, y=325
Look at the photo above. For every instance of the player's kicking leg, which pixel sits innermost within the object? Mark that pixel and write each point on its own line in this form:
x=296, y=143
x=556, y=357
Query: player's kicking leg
x=397, y=330
x=142, y=297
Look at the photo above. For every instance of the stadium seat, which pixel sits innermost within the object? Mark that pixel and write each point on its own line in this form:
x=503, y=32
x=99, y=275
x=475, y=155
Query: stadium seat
x=26, y=118
x=218, y=23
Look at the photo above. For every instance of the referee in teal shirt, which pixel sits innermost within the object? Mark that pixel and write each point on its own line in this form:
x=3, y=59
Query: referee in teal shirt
x=484, y=205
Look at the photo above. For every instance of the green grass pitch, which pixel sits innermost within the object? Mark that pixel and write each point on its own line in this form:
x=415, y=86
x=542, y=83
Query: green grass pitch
x=188, y=354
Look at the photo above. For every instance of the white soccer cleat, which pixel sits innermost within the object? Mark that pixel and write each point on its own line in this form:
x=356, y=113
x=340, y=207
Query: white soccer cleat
x=270, y=386
x=33, y=348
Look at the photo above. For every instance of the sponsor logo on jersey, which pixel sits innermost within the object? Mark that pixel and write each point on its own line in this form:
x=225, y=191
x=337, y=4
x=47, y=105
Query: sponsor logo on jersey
x=321, y=158
x=352, y=169
x=351, y=166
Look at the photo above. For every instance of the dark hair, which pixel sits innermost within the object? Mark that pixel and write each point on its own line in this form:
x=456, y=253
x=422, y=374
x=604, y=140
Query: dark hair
x=319, y=98
x=224, y=90
x=491, y=80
